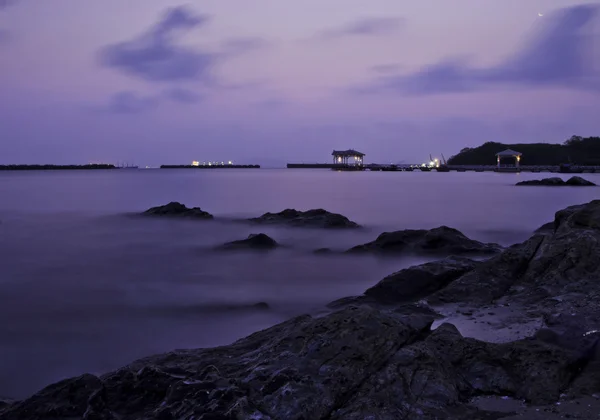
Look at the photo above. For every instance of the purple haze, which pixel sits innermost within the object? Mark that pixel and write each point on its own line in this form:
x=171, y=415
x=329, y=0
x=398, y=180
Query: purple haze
x=157, y=81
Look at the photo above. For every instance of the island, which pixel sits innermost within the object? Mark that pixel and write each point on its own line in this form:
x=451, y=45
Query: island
x=577, y=150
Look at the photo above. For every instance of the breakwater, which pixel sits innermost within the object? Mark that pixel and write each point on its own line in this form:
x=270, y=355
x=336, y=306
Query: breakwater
x=54, y=167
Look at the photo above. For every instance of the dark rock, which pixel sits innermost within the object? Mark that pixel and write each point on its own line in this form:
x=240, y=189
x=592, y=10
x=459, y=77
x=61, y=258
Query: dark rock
x=175, y=209
x=263, y=306
x=353, y=364
x=441, y=241
x=575, y=181
x=420, y=281
x=545, y=228
x=254, y=241
x=549, y=182
x=311, y=218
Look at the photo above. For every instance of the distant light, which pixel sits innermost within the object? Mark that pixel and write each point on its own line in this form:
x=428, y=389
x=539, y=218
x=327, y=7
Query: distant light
x=195, y=163
x=209, y=164
x=230, y=163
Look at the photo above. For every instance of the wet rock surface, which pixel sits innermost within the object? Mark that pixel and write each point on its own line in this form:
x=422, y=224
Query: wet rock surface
x=439, y=241
x=387, y=354
x=311, y=218
x=175, y=209
x=575, y=181
x=259, y=241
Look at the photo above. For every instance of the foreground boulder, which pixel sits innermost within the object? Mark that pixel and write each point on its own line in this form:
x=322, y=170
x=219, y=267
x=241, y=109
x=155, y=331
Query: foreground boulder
x=417, y=282
x=356, y=363
x=176, y=209
x=311, y=218
x=440, y=241
x=575, y=181
x=258, y=241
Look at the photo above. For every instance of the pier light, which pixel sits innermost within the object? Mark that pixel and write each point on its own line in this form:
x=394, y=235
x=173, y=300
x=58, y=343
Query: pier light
x=195, y=163
x=209, y=163
x=230, y=162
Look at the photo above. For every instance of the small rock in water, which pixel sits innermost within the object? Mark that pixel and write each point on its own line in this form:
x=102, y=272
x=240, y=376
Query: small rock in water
x=176, y=209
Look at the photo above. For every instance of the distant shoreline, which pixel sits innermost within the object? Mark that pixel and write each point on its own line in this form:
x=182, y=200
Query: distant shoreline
x=54, y=167
x=210, y=167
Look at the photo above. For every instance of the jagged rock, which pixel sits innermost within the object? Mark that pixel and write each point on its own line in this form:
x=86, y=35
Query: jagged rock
x=491, y=279
x=254, y=241
x=311, y=218
x=178, y=210
x=420, y=281
x=440, y=241
x=575, y=181
x=353, y=364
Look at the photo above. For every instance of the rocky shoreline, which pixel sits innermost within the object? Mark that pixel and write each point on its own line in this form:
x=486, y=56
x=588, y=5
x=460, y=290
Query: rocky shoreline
x=429, y=342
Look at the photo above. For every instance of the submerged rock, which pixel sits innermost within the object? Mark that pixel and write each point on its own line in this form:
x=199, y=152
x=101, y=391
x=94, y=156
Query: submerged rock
x=575, y=181
x=356, y=363
x=442, y=241
x=311, y=218
x=178, y=210
x=254, y=241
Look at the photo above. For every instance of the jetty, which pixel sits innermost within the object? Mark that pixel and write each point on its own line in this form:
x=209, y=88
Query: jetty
x=508, y=161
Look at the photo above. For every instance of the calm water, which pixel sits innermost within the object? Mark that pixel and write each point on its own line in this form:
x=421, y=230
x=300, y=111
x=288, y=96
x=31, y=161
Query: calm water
x=87, y=287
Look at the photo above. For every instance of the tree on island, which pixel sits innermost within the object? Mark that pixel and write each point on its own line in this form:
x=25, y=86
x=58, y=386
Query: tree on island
x=577, y=150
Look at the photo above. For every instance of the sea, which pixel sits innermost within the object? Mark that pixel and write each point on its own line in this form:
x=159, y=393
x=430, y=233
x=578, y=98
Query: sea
x=87, y=285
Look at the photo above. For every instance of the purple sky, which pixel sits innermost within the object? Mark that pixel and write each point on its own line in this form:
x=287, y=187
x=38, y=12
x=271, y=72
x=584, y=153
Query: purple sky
x=272, y=81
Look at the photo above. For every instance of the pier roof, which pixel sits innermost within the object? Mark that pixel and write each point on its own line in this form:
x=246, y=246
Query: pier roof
x=509, y=152
x=349, y=152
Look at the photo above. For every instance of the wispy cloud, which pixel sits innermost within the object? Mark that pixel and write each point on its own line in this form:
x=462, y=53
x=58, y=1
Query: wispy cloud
x=5, y=3
x=561, y=55
x=128, y=102
x=184, y=96
x=370, y=26
x=5, y=36
x=154, y=56
x=244, y=44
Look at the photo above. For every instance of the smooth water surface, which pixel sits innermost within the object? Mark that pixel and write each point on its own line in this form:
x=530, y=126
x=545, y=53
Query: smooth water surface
x=87, y=286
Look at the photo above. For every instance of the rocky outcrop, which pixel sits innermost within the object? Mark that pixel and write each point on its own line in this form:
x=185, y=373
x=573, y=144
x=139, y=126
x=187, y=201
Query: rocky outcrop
x=174, y=209
x=353, y=364
x=258, y=241
x=439, y=241
x=575, y=181
x=311, y=218
x=417, y=282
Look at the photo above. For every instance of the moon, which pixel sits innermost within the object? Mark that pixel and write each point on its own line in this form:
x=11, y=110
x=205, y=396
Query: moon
x=540, y=14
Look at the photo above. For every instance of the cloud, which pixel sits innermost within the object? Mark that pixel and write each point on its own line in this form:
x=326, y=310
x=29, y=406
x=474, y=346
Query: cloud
x=184, y=96
x=5, y=3
x=154, y=56
x=371, y=26
x=5, y=36
x=244, y=44
x=127, y=102
x=561, y=55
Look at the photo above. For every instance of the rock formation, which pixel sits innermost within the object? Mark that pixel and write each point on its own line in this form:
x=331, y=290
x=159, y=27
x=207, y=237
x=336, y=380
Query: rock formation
x=441, y=241
x=311, y=218
x=575, y=181
x=258, y=241
x=174, y=209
